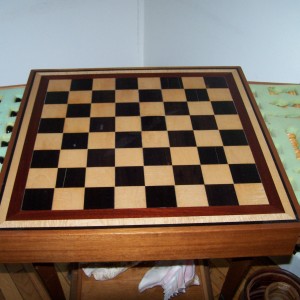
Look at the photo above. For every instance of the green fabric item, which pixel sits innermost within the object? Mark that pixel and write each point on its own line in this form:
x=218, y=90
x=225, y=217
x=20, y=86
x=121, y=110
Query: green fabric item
x=280, y=108
x=9, y=106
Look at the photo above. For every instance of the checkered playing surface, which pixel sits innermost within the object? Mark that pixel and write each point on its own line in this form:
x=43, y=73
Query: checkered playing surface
x=140, y=142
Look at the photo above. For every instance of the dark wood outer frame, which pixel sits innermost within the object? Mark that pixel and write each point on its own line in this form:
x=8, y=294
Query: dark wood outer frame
x=151, y=243
x=14, y=212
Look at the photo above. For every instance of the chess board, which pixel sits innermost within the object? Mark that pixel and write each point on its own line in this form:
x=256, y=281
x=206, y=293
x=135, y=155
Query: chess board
x=126, y=147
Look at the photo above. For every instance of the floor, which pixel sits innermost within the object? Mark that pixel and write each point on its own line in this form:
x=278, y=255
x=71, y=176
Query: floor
x=21, y=282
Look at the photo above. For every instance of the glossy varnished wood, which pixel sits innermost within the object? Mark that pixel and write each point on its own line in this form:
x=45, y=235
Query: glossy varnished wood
x=131, y=244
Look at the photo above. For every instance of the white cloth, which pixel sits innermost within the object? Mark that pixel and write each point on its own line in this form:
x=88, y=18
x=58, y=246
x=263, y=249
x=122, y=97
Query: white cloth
x=174, y=277
x=107, y=271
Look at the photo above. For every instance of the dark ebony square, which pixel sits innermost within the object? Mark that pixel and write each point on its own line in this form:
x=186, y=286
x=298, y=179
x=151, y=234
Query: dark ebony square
x=221, y=195
x=196, y=95
x=224, y=108
x=81, y=84
x=171, y=83
x=53, y=125
x=128, y=140
x=101, y=158
x=56, y=97
x=130, y=176
x=150, y=96
x=38, y=199
x=157, y=156
x=105, y=124
x=176, y=108
x=204, y=122
x=215, y=82
x=45, y=159
x=78, y=110
x=160, y=196
x=70, y=177
x=99, y=198
x=103, y=96
x=233, y=137
x=75, y=141
x=244, y=173
x=212, y=155
x=126, y=84
x=127, y=109
x=187, y=175
x=153, y=123
x=182, y=138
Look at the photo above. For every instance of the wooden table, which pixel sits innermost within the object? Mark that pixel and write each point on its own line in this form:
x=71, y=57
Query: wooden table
x=181, y=157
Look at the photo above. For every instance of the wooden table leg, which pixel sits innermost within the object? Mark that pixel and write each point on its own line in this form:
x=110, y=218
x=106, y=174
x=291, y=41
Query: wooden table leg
x=238, y=268
x=49, y=277
x=206, y=280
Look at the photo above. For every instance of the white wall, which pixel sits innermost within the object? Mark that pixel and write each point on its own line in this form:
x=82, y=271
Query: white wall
x=262, y=36
x=67, y=34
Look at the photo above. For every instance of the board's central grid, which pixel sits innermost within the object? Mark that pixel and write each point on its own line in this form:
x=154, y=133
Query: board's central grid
x=138, y=146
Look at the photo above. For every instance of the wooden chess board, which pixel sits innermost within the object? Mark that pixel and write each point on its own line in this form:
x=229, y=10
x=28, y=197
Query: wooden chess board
x=126, y=147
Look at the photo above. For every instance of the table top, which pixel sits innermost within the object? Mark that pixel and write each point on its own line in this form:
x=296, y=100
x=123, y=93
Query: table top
x=179, y=152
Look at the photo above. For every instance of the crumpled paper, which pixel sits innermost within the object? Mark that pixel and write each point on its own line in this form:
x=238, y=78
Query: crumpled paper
x=106, y=271
x=174, y=277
